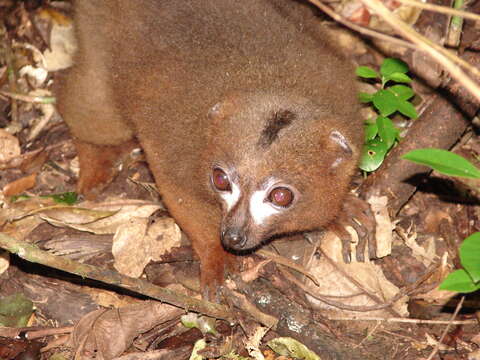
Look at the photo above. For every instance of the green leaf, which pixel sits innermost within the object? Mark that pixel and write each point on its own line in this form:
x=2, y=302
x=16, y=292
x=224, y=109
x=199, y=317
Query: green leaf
x=373, y=153
x=68, y=198
x=290, y=347
x=386, y=131
x=470, y=256
x=21, y=197
x=459, y=281
x=15, y=310
x=390, y=66
x=397, y=136
x=402, y=92
x=371, y=130
x=365, y=97
x=366, y=72
x=385, y=101
x=397, y=77
x=204, y=324
x=444, y=162
x=407, y=109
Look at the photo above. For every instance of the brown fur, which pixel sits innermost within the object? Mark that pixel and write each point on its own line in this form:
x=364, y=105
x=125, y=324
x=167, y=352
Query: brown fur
x=198, y=82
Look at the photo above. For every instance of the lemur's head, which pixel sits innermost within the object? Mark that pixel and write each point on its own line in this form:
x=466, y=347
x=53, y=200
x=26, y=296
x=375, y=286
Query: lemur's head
x=277, y=166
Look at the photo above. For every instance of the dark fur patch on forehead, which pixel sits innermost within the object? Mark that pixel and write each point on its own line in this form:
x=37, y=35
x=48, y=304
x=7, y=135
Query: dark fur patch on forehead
x=277, y=121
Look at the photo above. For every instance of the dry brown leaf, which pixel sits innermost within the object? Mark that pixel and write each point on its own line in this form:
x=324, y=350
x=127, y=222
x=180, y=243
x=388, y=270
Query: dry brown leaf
x=33, y=161
x=384, y=227
x=72, y=216
x=20, y=185
x=62, y=46
x=425, y=253
x=15, y=220
x=46, y=113
x=437, y=296
x=116, y=214
x=130, y=247
x=54, y=15
x=4, y=261
x=164, y=234
x=335, y=283
x=135, y=243
x=253, y=270
x=36, y=76
x=109, y=299
x=20, y=229
x=9, y=148
x=104, y=334
x=98, y=218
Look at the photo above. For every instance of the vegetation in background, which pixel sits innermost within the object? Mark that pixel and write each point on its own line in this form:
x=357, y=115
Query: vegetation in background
x=392, y=97
x=467, y=279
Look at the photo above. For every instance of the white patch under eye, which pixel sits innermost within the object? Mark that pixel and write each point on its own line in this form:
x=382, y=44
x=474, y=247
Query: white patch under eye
x=231, y=197
x=261, y=209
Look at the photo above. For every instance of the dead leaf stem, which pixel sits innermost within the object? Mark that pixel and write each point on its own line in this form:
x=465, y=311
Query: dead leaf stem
x=445, y=331
x=449, y=61
x=33, y=254
x=362, y=30
x=441, y=9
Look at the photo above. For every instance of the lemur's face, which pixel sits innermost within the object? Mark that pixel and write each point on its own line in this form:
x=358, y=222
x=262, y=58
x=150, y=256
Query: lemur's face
x=285, y=170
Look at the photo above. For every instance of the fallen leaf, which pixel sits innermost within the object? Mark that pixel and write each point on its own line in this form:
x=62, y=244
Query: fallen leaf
x=135, y=243
x=62, y=47
x=253, y=343
x=164, y=234
x=99, y=218
x=384, y=226
x=20, y=185
x=334, y=282
x=15, y=310
x=4, y=261
x=9, y=148
x=107, y=333
x=290, y=347
x=131, y=248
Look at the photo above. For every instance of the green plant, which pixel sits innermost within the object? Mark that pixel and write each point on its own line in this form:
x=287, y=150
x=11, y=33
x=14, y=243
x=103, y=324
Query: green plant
x=67, y=198
x=381, y=134
x=467, y=279
x=444, y=162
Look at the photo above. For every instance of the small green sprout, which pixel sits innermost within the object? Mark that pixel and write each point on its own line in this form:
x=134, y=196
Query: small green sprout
x=381, y=134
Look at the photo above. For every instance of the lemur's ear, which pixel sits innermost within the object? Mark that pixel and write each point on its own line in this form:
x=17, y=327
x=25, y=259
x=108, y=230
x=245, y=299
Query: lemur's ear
x=345, y=151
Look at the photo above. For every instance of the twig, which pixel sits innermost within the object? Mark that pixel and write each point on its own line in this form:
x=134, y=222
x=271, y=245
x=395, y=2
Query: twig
x=441, y=9
x=285, y=262
x=359, y=285
x=369, y=335
x=241, y=301
x=327, y=299
x=409, y=321
x=35, y=334
x=361, y=29
x=12, y=76
x=29, y=98
x=438, y=53
x=455, y=26
x=33, y=254
x=445, y=331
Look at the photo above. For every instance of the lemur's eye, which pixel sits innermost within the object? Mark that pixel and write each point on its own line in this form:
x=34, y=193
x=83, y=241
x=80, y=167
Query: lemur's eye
x=220, y=180
x=281, y=196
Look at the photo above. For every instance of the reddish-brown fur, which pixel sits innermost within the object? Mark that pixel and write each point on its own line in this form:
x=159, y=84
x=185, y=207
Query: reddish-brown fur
x=194, y=81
